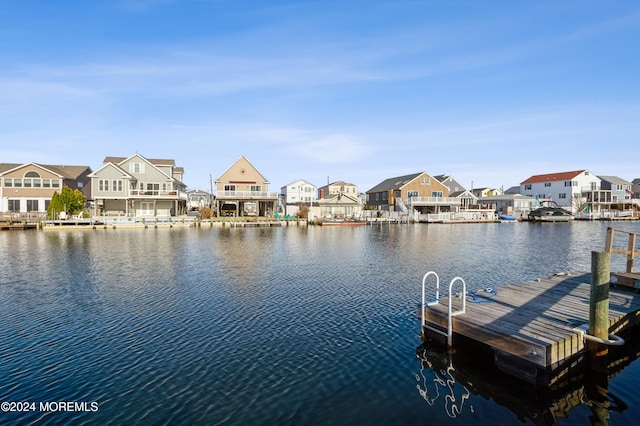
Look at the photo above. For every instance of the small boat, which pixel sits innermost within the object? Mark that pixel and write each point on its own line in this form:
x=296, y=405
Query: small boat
x=506, y=218
x=341, y=222
x=550, y=212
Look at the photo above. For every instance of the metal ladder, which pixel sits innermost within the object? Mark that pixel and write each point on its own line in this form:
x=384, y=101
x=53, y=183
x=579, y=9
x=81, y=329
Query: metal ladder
x=451, y=313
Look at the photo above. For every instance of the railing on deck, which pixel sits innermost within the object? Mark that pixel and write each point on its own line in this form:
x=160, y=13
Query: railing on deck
x=630, y=252
x=432, y=201
x=247, y=195
x=154, y=193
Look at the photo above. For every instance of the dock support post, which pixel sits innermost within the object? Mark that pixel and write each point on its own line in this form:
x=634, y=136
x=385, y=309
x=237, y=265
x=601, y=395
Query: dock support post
x=597, y=383
x=599, y=303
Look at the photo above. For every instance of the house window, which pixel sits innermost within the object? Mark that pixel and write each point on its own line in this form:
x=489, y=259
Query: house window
x=527, y=187
x=562, y=195
x=567, y=183
x=46, y=183
x=153, y=189
x=8, y=183
x=137, y=167
x=116, y=185
x=412, y=194
x=377, y=196
x=256, y=188
x=14, y=206
x=55, y=183
x=547, y=184
x=103, y=185
x=229, y=188
x=436, y=193
x=17, y=183
x=32, y=205
x=425, y=181
x=385, y=196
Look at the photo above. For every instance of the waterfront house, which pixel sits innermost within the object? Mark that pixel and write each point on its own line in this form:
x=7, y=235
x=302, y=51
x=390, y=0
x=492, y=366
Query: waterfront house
x=338, y=187
x=197, y=199
x=511, y=204
x=26, y=189
x=467, y=199
x=295, y=193
x=417, y=191
x=457, y=190
x=338, y=206
x=299, y=191
x=620, y=202
x=569, y=190
x=242, y=189
x=138, y=186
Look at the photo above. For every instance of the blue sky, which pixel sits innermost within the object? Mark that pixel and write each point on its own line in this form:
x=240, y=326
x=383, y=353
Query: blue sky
x=490, y=92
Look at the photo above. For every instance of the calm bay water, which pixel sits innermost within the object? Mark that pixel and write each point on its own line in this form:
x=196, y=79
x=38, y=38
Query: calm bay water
x=293, y=325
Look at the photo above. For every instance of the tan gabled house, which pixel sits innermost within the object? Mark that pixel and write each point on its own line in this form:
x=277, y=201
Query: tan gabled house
x=26, y=189
x=242, y=190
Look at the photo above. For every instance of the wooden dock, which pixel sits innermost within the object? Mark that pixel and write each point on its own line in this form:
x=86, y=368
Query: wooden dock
x=17, y=226
x=533, y=326
x=538, y=330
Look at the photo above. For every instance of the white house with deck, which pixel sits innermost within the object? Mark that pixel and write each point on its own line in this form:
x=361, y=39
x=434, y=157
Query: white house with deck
x=567, y=189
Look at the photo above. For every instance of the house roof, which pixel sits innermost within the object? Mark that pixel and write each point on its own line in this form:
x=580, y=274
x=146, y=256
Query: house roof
x=154, y=161
x=68, y=172
x=394, y=183
x=299, y=180
x=552, y=177
x=339, y=199
x=242, y=157
x=615, y=180
x=457, y=194
x=339, y=183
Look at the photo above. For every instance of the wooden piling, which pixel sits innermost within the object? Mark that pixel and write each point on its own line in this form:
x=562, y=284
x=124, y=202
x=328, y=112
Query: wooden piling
x=599, y=306
x=599, y=302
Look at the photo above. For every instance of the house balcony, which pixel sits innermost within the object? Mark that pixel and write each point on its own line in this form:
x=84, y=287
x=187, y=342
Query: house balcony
x=157, y=194
x=589, y=188
x=432, y=201
x=247, y=195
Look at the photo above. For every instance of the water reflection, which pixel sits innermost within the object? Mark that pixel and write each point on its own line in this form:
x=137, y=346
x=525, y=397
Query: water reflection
x=441, y=378
x=451, y=380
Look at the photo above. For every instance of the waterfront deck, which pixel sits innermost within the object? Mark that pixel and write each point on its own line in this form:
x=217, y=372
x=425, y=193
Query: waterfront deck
x=9, y=226
x=533, y=326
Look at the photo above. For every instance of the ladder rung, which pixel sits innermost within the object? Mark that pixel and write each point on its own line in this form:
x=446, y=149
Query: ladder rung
x=436, y=330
